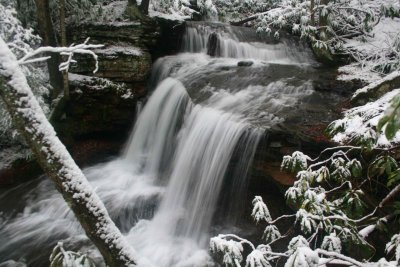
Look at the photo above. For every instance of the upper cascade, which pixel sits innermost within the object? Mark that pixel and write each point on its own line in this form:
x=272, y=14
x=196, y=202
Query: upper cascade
x=220, y=40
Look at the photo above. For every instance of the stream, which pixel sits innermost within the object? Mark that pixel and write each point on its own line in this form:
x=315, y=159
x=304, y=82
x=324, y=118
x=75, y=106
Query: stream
x=167, y=186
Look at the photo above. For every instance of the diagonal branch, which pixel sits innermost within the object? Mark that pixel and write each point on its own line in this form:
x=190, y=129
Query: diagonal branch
x=55, y=160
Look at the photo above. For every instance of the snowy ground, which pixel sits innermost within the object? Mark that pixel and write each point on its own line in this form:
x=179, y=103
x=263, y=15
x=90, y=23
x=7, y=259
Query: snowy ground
x=362, y=121
x=379, y=40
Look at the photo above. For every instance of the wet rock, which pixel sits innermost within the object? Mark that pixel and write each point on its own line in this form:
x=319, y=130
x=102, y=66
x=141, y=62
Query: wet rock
x=245, y=63
x=280, y=142
x=170, y=39
x=213, y=45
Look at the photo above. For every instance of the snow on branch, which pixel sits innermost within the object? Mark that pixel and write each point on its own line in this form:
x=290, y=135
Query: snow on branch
x=65, y=51
x=260, y=210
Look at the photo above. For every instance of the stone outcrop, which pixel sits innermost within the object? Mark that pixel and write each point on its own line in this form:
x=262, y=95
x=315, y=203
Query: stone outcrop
x=102, y=105
x=117, y=62
x=376, y=89
x=98, y=107
x=99, y=115
x=142, y=34
x=125, y=56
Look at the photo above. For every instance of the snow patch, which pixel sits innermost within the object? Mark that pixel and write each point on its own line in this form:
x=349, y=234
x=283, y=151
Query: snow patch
x=173, y=16
x=115, y=50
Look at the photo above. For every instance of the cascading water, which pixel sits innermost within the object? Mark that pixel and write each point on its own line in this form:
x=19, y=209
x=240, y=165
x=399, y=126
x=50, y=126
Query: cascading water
x=239, y=42
x=164, y=190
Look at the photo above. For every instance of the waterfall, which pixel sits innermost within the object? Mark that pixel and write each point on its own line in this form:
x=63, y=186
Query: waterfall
x=152, y=142
x=163, y=191
x=233, y=42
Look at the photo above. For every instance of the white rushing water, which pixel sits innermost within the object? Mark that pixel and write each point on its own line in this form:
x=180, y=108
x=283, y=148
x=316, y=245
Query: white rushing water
x=233, y=42
x=164, y=190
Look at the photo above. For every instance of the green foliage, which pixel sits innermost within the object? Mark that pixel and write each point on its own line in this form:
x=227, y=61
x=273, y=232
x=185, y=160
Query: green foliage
x=391, y=119
x=296, y=242
x=394, y=247
x=260, y=210
x=341, y=174
x=383, y=165
x=294, y=163
x=355, y=168
x=396, y=206
x=307, y=224
x=394, y=178
x=233, y=9
x=322, y=24
x=353, y=204
x=333, y=211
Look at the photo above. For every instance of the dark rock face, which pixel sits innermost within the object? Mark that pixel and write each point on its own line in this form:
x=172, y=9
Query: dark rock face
x=142, y=34
x=125, y=57
x=21, y=170
x=170, y=39
x=213, y=45
x=102, y=105
x=97, y=119
x=98, y=107
x=119, y=63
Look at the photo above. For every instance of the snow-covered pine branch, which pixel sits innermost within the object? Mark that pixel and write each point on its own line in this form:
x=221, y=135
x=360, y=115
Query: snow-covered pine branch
x=62, y=257
x=260, y=210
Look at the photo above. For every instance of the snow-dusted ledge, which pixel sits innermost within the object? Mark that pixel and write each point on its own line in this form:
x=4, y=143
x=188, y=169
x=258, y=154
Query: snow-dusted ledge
x=379, y=87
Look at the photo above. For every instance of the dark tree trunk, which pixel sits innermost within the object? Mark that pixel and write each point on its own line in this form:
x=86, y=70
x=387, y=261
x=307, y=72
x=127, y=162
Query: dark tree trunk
x=64, y=43
x=323, y=22
x=47, y=32
x=144, y=6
